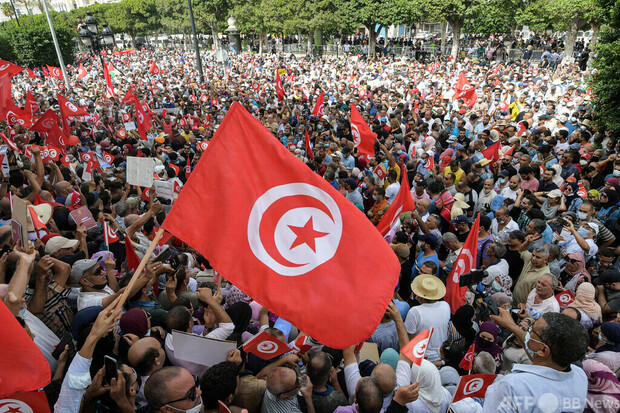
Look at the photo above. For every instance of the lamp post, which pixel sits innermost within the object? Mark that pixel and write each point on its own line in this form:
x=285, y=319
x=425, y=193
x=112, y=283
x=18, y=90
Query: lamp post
x=56, y=46
x=94, y=40
x=233, y=33
x=196, y=48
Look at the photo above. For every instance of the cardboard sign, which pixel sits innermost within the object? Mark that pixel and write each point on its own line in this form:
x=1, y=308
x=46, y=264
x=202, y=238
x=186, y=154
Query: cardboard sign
x=201, y=350
x=140, y=171
x=20, y=215
x=83, y=216
x=164, y=189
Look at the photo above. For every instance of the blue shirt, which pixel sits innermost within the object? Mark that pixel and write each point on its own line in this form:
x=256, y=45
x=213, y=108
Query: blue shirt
x=530, y=386
x=421, y=260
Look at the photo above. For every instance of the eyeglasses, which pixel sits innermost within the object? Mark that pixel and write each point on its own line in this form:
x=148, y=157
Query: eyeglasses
x=190, y=395
x=603, y=195
x=571, y=260
x=531, y=330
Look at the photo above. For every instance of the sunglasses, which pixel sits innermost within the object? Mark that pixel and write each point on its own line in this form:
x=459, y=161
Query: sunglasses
x=190, y=395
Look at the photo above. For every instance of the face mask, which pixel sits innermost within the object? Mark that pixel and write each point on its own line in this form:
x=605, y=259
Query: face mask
x=582, y=215
x=97, y=286
x=616, y=172
x=582, y=232
x=515, y=161
x=364, y=185
x=195, y=409
x=496, y=286
x=501, y=180
x=374, y=197
x=484, y=343
x=22, y=310
x=526, y=345
x=602, y=340
x=594, y=159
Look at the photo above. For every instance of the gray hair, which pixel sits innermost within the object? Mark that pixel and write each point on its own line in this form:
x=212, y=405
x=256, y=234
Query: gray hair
x=542, y=251
x=553, y=249
x=449, y=237
x=539, y=225
x=499, y=249
x=121, y=208
x=485, y=363
x=554, y=281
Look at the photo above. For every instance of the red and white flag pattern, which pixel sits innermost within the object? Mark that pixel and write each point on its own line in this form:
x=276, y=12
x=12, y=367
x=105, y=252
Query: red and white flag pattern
x=363, y=137
x=266, y=346
x=466, y=261
x=468, y=360
x=402, y=203
x=319, y=107
x=109, y=234
x=565, y=298
x=473, y=385
x=416, y=348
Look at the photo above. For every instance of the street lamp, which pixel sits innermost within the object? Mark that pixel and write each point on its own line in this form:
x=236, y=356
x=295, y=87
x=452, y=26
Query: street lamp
x=91, y=38
x=91, y=22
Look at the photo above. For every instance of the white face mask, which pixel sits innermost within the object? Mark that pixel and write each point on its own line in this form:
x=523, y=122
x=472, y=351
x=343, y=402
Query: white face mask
x=582, y=215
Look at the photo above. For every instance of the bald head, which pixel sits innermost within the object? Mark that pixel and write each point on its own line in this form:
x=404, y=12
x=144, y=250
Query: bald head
x=130, y=219
x=385, y=376
x=62, y=188
x=5, y=204
x=280, y=380
x=146, y=356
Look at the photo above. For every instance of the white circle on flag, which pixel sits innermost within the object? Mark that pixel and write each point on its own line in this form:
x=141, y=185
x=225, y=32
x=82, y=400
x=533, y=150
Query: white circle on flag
x=107, y=158
x=564, y=298
x=86, y=157
x=12, y=405
x=12, y=118
x=469, y=356
x=267, y=347
x=420, y=349
x=52, y=153
x=355, y=132
x=473, y=386
x=48, y=123
x=461, y=265
x=71, y=106
x=4, y=67
x=279, y=248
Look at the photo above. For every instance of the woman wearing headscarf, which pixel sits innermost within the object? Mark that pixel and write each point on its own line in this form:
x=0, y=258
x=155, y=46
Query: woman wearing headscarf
x=609, y=208
x=571, y=199
x=449, y=378
x=586, y=302
x=603, y=388
x=610, y=337
x=461, y=328
x=575, y=271
x=487, y=340
x=432, y=397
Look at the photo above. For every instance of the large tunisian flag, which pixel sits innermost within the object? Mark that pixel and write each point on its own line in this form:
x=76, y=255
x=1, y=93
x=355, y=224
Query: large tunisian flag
x=363, y=137
x=466, y=261
x=285, y=236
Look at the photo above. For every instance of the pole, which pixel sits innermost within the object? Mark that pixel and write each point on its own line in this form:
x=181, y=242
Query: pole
x=198, y=61
x=62, y=63
x=15, y=12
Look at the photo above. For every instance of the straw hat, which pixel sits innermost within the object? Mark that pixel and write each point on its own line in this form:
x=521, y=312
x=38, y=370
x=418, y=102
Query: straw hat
x=428, y=287
x=459, y=201
x=484, y=162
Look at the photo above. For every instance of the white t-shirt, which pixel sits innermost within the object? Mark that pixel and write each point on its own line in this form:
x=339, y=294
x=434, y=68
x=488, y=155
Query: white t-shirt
x=426, y=316
x=391, y=191
x=92, y=299
x=549, y=305
x=502, y=236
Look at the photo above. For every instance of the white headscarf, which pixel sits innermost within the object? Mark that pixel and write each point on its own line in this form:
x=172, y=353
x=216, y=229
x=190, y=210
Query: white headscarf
x=432, y=394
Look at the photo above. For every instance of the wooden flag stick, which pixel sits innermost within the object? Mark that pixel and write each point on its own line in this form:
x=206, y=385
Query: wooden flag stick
x=138, y=271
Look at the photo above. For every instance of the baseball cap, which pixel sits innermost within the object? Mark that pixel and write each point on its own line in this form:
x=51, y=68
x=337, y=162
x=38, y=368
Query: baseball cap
x=429, y=239
x=592, y=225
x=461, y=219
x=451, y=139
x=57, y=243
x=556, y=193
x=504, y=173
x=80, y=267
x=351, y=182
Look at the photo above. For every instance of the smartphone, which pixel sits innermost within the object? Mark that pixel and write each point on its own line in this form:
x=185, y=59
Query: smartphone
x=67, y=339
x=175, y=262
x=111, y=370
x=163, y=256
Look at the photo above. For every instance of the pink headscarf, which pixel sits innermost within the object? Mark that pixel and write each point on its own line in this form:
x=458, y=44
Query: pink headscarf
x=603, y=387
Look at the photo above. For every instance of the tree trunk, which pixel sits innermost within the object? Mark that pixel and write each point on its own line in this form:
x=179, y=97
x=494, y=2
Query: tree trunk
x=261, y=41
x=372, y=40
x=299, y=39
x=594, y=39
x=571, y=37
x=444, y=35
x=456, y=37
x=133, y=40
x=309, y=50
x=216, y=39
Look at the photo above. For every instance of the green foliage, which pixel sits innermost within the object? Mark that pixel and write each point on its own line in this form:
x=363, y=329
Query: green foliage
x=606, y=82
x=33, y=45
x=6, y=49
x=495, y=16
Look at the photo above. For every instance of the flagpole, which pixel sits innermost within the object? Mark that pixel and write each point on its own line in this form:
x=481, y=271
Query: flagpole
x=56, y=46
x=138, y=271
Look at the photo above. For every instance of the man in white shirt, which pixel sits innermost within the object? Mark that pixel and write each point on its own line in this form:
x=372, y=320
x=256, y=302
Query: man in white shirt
x=432, y=313
x=541, y=298
x=503, y=225
x=392, y=190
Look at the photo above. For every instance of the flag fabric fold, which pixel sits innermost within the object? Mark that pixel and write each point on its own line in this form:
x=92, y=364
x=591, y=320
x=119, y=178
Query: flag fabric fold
x=402, y=203
x=465, y=262
x=363, y=137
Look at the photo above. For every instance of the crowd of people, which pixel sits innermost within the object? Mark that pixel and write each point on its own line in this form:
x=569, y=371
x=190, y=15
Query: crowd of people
x=547, y=208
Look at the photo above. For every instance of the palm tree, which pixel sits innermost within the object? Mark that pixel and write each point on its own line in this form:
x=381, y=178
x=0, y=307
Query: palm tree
x=7, y=10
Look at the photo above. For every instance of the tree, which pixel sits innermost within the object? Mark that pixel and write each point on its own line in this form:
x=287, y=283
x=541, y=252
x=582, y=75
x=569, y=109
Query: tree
x=496, y=16
x=33, y=45
x=7, y=10
x=606, y=81
x=455, y=12
x=376, y=15
x=213, y=12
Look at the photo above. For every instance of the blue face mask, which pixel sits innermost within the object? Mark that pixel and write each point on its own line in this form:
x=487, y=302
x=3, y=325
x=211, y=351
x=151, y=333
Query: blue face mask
x=526, y=345
x=496, y=286
x=582, y=232
x=604, y=341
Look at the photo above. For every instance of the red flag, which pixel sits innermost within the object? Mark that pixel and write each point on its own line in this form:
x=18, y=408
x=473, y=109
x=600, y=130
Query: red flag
x=36, y=221
x=279, y=87
x=473, y=385
x=402, y=203
x=130, y=255
x=203, y=145
x=92, y=164
x=108, y=81
x=109, y=234
x=492, y=153
x=565, y=298
x=204, y=98
x=319, y=107
x=17, y=116
x=25, y=402
x=466, y=261
x=192, y=98
x=6, y=99
x=31, y=105
x=81, y=72
x=85, y=156
x=122, y=133
x=265, y=346
x=31, y=74
x=108, y=158
x=309, y=152
x=255, y=86
x=23, y=366
x=503, y=106
x=46, y=122
x=154, y=68
x=521, y=129
x=416, y=109
x=188, y=170
x=145, y=194
x=68, y=108
x=55, y=72
x=430, y=163
x=509, y=151
x=301, y=344
x=461, y=83
x=415, y=349
x=312, y=236
x=9, y=142
x=143, y=122
x=363, y=137
x=130, y=96
x=126, y=117
x=468, y=361
x=9, y=69
x=581, y=191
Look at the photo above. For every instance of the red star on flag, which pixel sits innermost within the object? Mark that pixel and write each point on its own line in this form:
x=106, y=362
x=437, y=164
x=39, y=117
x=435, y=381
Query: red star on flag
x=306, y=235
